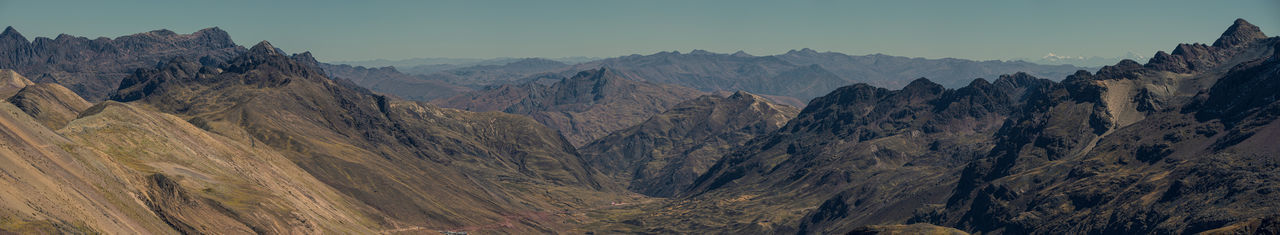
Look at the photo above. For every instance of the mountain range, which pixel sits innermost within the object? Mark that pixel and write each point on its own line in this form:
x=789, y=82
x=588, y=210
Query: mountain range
x=93, y=67
x=429, y=65
x=589, y=105
x=1180, y=144
x=797, y=74
x=661, y=156
x=1091, y=61
x=265, y=143
x=161, y=132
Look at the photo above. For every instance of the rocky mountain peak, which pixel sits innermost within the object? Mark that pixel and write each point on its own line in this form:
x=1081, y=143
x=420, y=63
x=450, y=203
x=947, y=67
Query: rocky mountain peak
x=747, y=97
x=1124, y=69
x=271, y=60
x=980, y=83
x=1240, y=32
x=264, y=48
x=1019, y=77
x=742, y=54
x=215, y=37
x=923, y=85
x=305, y=58
x=11, y=34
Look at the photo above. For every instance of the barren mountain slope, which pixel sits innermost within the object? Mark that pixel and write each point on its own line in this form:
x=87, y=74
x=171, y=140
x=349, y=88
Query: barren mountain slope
x=425, y=166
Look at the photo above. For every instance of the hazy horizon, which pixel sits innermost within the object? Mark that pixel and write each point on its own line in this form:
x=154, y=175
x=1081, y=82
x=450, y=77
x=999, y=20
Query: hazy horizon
x=339, y=31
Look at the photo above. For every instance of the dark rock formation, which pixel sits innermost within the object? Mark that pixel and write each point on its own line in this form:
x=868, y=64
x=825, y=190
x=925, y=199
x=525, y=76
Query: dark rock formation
x=1182, y=144
x=1193, y=166
x=1240, y=32
x=93, y=68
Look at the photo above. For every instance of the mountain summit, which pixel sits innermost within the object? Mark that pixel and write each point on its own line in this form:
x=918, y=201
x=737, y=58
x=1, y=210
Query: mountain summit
x=93, y=68
x=11, y=34
x=264, y=48
x=1240, y=32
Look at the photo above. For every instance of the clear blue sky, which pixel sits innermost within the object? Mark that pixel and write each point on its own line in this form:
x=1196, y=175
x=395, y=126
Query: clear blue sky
x=356, y=30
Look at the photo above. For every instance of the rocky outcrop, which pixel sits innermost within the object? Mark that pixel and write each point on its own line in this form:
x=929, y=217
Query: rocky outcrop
x=863, y=155
x=1186, y=167
x=1196, y=57
x=93, y=68
x=1240, y=32
x=1172, y=146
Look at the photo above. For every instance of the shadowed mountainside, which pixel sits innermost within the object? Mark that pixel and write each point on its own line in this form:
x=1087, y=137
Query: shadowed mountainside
x=1178, y=145
x=93, y=67
x=662, y=155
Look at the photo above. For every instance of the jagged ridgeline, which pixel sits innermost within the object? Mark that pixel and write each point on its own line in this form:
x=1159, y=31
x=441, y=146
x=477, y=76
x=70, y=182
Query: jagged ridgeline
x=191, y=133
x=1182, y=144
x=265, y=143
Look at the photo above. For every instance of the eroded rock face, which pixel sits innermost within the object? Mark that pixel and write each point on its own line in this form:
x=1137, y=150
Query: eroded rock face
x=842, y=151
x=1185, y=168
x=1175, y=145
x=1240, y=32
x=93, y=68
x=805, y=74
x=1196, y=57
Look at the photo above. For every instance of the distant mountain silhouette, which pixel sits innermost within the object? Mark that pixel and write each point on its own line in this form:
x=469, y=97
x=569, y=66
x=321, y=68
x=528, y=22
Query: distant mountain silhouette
x=798, y=74
x=513, y=72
